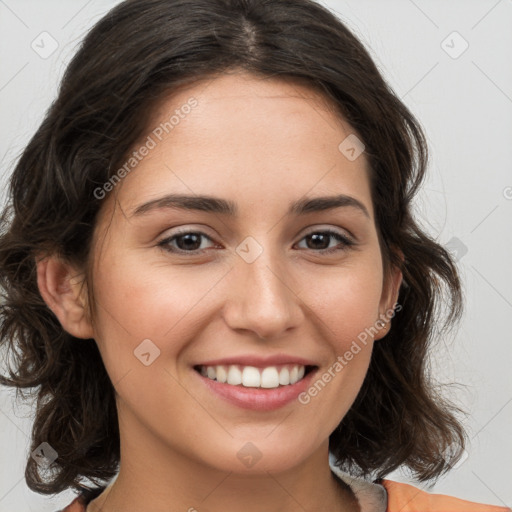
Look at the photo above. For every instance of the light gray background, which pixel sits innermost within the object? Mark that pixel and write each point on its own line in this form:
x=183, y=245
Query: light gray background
x=465, y=105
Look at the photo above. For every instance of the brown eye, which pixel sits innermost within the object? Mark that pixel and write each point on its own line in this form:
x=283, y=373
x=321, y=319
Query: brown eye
x=185, y=242
x=319, y=241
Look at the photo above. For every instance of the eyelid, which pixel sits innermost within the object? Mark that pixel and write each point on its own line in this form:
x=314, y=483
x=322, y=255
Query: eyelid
x=183, y=230
x=334, y=229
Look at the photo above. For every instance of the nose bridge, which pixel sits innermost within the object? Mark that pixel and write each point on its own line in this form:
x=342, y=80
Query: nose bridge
x=263, y=298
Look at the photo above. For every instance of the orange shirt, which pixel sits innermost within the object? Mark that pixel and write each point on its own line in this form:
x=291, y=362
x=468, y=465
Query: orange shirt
x=407, y=498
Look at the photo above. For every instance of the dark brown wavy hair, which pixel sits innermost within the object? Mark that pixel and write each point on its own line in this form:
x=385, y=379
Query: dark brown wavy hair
x=131, y=59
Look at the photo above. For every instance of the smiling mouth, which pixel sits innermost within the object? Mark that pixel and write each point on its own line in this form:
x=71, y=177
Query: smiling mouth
x=269, y=377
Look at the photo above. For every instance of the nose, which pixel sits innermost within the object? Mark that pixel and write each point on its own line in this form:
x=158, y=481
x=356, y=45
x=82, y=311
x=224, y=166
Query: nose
x=263, y=298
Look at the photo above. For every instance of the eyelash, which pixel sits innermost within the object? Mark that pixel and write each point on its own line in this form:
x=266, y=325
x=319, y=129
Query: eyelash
x=346, y=242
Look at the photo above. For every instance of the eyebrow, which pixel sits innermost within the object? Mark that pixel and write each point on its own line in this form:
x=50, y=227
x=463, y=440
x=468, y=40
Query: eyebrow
x=226, y=207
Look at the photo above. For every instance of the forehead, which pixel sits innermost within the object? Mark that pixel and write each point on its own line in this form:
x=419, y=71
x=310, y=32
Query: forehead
x=255, y=105
x=245, y=138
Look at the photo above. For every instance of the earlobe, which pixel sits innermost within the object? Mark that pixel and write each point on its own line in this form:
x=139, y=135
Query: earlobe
x=65, y=295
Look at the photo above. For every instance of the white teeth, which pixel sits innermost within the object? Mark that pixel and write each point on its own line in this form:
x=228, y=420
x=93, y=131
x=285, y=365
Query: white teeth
x=234, y=376
x=284, y=376
x=221, y=374
x=270, y=378
x=294, y=375
x=252, y=377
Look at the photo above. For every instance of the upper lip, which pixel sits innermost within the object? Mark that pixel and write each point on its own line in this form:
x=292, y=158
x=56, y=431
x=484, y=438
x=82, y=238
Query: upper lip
x=258, y=361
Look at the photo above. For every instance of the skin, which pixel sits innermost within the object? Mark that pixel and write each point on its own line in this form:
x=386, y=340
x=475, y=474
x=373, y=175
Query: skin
x=262, y=144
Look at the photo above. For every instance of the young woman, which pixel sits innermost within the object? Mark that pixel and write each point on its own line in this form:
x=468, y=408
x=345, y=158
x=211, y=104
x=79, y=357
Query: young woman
x=212, y=274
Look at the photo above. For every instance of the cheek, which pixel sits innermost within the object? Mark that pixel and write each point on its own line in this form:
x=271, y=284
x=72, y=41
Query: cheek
x=143, y=324
x=345, y=309
x=137, y=301
x=346, y=300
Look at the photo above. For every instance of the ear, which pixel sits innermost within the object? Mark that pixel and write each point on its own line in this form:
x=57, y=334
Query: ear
x=389, y=298
x=61, y=287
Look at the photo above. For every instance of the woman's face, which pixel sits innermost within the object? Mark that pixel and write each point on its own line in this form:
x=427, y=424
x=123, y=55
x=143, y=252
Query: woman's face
x=254, y=286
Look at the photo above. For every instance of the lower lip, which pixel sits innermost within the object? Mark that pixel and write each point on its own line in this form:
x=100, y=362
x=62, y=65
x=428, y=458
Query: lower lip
x=258, y=399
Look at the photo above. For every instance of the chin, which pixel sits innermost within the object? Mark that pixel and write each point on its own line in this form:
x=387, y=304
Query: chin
x=258, y=457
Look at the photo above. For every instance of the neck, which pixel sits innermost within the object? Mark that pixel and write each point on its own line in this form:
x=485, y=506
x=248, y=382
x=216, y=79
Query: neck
x=156, y=477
